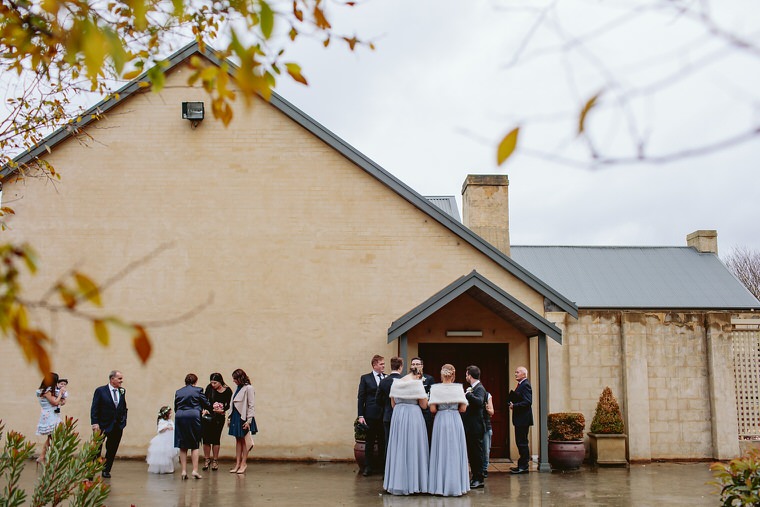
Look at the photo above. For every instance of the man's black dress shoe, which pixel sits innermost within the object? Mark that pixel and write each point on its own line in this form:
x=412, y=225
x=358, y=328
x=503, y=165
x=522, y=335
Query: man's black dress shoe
x=367, y=471
x=485, y=473
x=514, y=469
x=519, y=471
x=476, y=484
x=106, y=475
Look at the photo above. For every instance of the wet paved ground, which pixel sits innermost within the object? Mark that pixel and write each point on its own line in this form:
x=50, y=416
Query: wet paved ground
x=302, y=484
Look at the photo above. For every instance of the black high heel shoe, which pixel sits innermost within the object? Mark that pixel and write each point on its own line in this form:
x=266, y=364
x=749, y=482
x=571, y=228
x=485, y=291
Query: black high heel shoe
x=184, y=477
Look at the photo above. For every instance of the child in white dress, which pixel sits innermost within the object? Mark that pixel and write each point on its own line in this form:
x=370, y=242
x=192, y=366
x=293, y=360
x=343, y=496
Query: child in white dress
x=161, y=451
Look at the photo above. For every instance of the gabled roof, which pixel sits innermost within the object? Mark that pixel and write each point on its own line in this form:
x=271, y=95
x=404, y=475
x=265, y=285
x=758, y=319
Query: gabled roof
x=637, y=277
x=336, y=143
x=486, y=293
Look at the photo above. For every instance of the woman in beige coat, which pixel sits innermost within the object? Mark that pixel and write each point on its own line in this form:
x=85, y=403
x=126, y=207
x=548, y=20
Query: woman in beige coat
x=241, y=421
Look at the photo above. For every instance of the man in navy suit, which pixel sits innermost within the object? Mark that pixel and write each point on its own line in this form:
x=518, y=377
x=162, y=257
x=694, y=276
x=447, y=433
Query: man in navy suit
x=370, y=413
x=520, y=401
x=383, y=397
x=474, y=426
x=108, y=415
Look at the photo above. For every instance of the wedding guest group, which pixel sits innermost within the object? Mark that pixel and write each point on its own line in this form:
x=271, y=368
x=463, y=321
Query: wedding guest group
x=189, y=402
x=51, y=396
x=520, y=402
x=108, y=414
x=371, y=414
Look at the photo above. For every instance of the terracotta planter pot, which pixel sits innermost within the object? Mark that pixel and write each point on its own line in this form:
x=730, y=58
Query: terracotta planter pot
x=566, y=455
x=607, y=449
x=360, y=449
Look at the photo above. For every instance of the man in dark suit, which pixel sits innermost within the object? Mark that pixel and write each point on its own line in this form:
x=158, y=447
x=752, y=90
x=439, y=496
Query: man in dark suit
x=416, y=364
x=108, y=415
x=520, y=401
x=370, y=413
x=474, y=426
x=383, y=397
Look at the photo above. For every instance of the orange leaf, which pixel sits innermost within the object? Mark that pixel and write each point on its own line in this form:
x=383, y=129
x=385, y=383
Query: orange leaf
x=295, y=72
x=584, y=112
x=507, y=146
x=141, y=343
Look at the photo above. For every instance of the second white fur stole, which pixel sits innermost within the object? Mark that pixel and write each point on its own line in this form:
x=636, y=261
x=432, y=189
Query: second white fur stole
x=408, y=390
x=447, y=393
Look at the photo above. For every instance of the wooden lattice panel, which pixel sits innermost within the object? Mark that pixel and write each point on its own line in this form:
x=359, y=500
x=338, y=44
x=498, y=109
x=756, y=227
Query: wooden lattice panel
x=746, y=350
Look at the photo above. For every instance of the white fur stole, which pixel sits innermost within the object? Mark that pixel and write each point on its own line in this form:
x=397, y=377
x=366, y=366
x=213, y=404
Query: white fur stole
x=408, y=389
x=447, y=393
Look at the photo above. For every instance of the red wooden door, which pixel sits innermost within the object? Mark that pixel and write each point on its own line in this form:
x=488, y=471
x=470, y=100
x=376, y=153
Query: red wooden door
x=493, y=361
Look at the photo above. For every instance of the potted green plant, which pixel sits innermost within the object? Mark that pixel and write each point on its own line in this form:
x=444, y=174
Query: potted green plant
x=607, y=438
x=566, y=449
x=360, y=439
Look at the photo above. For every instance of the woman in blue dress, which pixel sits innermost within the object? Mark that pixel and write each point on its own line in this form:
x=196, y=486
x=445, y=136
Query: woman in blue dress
x=448, y=449
x=407, y=455
x=188, y=404
x=241, y=421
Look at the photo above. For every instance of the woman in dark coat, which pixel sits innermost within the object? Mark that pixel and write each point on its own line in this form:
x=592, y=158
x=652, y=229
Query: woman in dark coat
x=219, y=395
x=188, y=404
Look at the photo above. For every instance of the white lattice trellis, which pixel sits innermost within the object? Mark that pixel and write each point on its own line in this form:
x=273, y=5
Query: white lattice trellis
x=746, y=351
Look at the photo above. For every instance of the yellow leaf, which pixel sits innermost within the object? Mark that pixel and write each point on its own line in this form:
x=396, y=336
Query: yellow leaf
x=584, y=112
x=101, y=332
x=295, y=72
x=131, y=75
x=507, y=146
x=141, y=343
x=88, y=288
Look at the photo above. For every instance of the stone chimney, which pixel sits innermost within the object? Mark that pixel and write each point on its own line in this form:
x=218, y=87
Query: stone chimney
x=485, y=208
x=703, y=241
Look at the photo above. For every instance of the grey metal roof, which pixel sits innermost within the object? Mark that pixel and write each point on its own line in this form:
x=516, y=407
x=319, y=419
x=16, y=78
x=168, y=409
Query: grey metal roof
x=486, y=293
x=447, y=203
x=334, y=142
x=637, y=277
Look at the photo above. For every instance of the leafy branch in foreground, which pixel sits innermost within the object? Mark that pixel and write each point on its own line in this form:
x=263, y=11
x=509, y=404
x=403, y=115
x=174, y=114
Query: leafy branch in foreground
x=67, y=474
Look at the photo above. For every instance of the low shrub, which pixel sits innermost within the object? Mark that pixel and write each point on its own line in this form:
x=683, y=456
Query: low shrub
x=739, y=480
x=566, y=426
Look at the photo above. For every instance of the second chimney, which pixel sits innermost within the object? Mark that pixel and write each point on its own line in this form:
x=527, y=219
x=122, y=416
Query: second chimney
x=485, y=208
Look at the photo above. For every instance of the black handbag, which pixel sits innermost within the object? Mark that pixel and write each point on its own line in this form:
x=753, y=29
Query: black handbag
x=207, y=417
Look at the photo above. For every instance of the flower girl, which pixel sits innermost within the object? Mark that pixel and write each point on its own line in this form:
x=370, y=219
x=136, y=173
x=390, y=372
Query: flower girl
x=161, y=452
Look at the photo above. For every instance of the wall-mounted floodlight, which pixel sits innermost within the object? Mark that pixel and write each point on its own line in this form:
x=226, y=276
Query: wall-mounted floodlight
x=192, y=111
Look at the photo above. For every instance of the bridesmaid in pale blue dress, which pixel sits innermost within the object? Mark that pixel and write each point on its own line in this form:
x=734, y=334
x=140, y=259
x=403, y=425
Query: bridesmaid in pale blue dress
x=406, y=462
x=448, y=449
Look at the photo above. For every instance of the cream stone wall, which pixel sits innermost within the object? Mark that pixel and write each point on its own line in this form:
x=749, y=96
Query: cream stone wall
x=298, y=260
x=668, y=371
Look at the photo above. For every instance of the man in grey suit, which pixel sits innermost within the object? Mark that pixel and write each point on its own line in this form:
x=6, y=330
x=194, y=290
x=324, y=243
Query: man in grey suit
x=370, y=413
x=474, y=426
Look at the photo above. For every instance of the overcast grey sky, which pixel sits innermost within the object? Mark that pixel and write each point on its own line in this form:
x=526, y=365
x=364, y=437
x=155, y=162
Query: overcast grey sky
x=444, y=85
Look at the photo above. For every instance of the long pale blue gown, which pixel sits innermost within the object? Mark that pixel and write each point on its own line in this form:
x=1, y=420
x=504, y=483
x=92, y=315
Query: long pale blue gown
x=406, y=462
x=448, y=454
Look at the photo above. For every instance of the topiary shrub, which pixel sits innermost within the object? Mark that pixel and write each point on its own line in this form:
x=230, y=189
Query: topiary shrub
x=566, y=426
x=607, y=419
x=739, y=480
